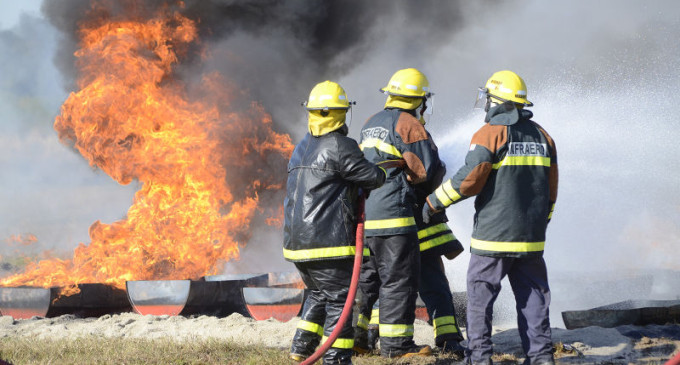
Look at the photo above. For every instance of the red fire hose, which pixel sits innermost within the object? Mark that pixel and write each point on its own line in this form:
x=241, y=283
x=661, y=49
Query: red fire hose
x=674, y=361
x=349, y=303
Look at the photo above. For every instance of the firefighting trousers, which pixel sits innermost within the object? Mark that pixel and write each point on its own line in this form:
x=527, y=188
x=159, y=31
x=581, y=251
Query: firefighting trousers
x=529, y=281
x=369, y=285
x=396, y=263
x=328, y=282
x=436, y=294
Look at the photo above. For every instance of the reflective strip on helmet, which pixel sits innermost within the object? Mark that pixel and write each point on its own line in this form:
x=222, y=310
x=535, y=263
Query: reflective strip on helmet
x=507, y=246
x=340, y=343
x=444, y=325
x=523, y=161
x=380, y=145
x=396, y=330
x=437, y=241
x=446, y=194
x=389, y=223
x=310, y=327
x=362, y=321
x=316, y=253
x=429, y=231
x=375, y=316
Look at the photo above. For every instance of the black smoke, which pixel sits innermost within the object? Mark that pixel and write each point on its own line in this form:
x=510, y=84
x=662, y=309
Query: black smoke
x=275, y=50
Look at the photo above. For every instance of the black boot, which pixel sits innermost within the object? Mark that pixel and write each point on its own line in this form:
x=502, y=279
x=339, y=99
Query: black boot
x=415, y=350
x=453, y=348
x=361, y=341
x=373, y=337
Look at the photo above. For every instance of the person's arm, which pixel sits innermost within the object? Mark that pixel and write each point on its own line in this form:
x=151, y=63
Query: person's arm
x=419, y=152
x=553, y=174
x=471, y=178
x=355, y=168
x=553, y=181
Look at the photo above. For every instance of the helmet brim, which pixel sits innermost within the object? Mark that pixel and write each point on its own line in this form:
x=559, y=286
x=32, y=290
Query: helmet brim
x=384, y=90
x=525, y=104
x=329, y=108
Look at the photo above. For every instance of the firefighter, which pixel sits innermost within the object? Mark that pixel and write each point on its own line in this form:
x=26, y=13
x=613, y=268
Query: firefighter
x=325, y=172
x=396, y=133
x=435, y=240
x=511, y=167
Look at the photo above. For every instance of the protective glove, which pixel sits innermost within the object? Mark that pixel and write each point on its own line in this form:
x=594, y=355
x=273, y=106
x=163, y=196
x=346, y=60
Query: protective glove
x=392, y=164
x=427, y=213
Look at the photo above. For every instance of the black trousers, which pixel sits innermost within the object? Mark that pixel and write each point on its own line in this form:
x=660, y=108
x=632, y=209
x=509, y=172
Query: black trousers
x=328, y=282
x=394, y=269
x=436, y=294
x=434, y=291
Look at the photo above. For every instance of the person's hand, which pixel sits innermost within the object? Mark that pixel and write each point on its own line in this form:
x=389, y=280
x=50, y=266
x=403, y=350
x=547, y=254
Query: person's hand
x=391, y=164
x=427, y=213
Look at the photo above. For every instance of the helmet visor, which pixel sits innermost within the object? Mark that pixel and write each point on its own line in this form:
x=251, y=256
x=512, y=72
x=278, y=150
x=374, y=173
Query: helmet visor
x=482, y=98
x=429, y=105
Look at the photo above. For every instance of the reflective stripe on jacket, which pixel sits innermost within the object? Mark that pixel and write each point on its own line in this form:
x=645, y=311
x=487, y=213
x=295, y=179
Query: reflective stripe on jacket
x=388, y=135
x=512, y=168
x=324, y=174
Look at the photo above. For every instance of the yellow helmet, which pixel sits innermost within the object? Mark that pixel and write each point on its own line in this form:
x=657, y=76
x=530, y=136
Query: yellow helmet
x=327, y=95
x=327, y=108
x=505, y=86
x=408, y=82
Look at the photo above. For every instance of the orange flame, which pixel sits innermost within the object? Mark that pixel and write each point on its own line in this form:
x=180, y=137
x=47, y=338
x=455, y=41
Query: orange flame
x=24, y=240
x=133, y=120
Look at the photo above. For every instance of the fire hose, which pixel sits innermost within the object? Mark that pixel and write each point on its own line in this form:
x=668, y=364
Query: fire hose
x=349, y=303
x=675, y=360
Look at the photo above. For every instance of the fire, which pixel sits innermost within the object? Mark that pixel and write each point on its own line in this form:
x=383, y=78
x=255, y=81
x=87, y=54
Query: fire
x=24, y=240
x=134, y=120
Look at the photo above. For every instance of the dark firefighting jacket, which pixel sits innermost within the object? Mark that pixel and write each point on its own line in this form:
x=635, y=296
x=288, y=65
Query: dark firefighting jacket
x=512, y=168
x=324, y=174
x=389, y=135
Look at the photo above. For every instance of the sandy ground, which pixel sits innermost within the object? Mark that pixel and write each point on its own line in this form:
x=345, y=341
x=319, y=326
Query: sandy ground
x=592, y=345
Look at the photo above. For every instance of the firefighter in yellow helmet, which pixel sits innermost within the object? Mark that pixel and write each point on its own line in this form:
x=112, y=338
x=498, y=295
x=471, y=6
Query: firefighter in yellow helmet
x=392, y=270
x=325, y=173
x=512, y=168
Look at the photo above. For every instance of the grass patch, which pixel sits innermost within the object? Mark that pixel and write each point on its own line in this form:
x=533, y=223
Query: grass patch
x=104, y=350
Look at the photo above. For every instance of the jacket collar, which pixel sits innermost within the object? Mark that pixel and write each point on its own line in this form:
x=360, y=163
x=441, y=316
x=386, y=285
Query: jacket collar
x=506, y=114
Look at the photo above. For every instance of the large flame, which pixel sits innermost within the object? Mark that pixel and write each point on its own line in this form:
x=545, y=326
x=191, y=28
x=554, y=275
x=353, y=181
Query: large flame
x=132, y=119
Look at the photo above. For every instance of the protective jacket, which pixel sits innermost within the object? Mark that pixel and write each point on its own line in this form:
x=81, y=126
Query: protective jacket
x=512, y=168
x=324, y=174
x=388, y=135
